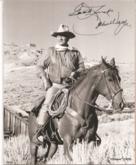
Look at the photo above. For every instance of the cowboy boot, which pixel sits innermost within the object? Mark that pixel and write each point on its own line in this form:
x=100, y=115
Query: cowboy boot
x=38, y=137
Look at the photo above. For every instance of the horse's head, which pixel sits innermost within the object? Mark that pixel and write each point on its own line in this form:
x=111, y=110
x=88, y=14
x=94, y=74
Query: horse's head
x=109, y=84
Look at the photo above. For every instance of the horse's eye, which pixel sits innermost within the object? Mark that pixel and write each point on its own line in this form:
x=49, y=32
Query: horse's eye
x=109, y=79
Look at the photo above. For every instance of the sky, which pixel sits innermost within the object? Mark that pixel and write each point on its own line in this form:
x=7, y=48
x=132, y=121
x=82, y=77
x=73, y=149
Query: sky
x=32, y=21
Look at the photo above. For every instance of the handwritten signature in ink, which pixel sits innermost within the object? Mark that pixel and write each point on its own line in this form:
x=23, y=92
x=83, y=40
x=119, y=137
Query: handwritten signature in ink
x=83, y=11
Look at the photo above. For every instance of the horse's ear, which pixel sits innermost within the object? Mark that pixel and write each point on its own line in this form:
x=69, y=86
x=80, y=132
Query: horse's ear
x=103, y=60
x=112, y=62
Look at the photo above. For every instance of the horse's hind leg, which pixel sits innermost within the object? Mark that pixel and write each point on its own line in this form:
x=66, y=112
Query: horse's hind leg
x=33, y=151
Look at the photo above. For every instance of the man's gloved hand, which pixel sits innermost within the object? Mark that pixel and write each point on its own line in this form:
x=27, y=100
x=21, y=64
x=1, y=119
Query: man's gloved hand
x=74, y=75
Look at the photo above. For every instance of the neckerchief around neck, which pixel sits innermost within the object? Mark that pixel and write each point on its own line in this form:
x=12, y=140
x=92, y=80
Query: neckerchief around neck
x=62, y=48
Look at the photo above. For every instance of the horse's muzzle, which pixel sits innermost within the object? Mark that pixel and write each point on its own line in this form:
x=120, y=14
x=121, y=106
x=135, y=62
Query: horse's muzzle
x=119, y=107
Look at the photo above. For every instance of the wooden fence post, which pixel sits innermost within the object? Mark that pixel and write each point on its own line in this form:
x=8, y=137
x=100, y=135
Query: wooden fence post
x=14, y=123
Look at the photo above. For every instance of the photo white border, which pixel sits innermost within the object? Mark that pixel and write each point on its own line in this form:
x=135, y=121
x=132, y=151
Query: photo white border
x=1, y=82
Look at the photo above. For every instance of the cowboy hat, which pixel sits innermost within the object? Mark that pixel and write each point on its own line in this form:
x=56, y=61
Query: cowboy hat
x=63, y=30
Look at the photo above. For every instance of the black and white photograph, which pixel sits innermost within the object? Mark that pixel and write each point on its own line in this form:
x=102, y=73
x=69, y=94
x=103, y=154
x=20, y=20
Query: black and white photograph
x=68, y=82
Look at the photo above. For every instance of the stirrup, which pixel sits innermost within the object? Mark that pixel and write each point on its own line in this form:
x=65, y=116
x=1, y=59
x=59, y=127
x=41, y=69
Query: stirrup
x=37, y=134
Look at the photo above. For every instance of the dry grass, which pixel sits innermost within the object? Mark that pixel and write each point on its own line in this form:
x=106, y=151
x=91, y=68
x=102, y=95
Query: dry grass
x=117, y=147
x=16, y=150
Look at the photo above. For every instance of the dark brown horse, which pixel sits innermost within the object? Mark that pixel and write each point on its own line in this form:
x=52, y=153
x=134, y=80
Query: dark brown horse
x=80, y=119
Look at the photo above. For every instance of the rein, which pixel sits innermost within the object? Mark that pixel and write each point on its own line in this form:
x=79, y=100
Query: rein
x=95, y=106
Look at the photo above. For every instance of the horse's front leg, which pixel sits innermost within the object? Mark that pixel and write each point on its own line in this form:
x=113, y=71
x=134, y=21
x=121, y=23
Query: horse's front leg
x=68, y=147
x=52, y=148
x=33, y=151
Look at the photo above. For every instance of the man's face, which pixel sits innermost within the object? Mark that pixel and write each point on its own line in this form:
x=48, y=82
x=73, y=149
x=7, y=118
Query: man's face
x=62, y=40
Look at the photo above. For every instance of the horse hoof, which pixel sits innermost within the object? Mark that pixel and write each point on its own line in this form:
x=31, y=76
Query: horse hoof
x=40, y=163
x=97, y=143
x=41, y=159
x=68, y=158
x=44, y=160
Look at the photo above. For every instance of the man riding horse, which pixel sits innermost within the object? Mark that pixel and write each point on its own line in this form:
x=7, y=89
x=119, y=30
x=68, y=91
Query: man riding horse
x=62, y=63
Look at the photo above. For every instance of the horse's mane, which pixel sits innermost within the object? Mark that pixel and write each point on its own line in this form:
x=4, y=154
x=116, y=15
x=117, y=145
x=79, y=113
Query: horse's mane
x=108, y=65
